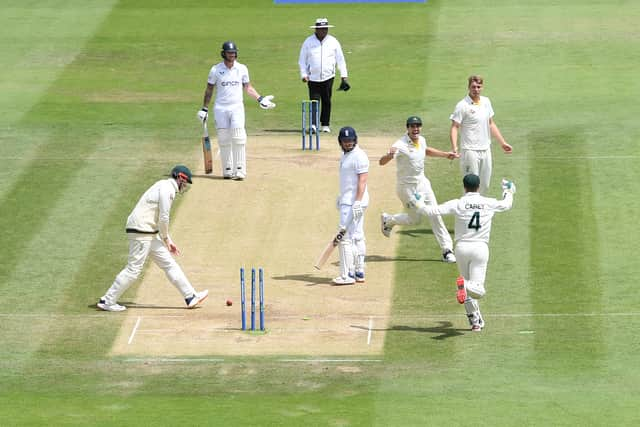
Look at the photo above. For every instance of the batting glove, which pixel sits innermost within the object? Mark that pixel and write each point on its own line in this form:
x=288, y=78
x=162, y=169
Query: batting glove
x=265, y=102
x=202, y=114
x=344, y=85
x=357, y=210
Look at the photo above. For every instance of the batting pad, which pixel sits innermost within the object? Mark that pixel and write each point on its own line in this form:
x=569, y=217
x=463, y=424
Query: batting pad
x=238, y=144
x=226, y=159
x=345, y=249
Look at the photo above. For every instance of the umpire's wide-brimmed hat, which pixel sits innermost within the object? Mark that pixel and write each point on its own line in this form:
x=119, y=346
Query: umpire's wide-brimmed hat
x=321, y=23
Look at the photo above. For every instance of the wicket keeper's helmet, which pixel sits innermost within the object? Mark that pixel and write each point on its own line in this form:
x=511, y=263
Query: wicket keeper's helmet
x=414, y=120
x=228, y=46
x=182, y=172
x=347, y=133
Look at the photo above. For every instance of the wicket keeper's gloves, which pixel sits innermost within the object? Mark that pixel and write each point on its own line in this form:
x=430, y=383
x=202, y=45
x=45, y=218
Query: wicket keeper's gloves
x=509, y=186
x=344, y=85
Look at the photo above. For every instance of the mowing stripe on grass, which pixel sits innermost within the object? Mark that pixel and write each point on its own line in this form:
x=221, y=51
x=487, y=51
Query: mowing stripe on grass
x=563, y=277
x=39, y=40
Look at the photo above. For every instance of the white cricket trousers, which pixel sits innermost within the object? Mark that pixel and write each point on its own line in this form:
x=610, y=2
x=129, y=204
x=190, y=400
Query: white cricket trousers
x=472, y=259
x=477, y=162
x=139, y=249
x=407, y=195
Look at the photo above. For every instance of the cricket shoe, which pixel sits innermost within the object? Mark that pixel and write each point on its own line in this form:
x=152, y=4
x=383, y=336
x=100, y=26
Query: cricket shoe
x=325, y=129
x=359, y=277
x=461, y=293
x=196, y=298
x=102, y=305
x=342, y=280
x=448, y=257
x=312, y=130
x=480, y=321
x=476, y=322
x=384, y=224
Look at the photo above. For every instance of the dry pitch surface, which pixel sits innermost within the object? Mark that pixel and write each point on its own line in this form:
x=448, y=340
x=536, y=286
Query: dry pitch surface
x=279, y=218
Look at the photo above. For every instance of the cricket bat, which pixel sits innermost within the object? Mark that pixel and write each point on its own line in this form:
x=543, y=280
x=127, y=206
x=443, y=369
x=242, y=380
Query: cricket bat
x=328, y=250
x=206, y=150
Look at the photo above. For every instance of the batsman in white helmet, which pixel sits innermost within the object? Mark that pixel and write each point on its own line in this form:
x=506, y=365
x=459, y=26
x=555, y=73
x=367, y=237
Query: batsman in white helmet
x=229, y=77
x=413, y=187
x=148, y=232
x=352, y=203
x=473, y=213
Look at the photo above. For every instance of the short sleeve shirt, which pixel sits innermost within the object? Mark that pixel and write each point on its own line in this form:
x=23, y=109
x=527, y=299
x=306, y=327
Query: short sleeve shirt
x=410, y=159
x=474, y=123
x=228, y=82
x=352, y=164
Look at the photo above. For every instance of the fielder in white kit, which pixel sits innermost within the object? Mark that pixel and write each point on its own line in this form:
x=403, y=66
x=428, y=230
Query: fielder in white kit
x=229, y=78
x=148, y=232
x=352, y=203
x=473, y=213
x=472, y=123
x=413, y=187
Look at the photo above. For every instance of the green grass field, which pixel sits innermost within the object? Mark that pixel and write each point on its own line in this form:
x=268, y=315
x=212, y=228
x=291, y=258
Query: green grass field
x=99, y=99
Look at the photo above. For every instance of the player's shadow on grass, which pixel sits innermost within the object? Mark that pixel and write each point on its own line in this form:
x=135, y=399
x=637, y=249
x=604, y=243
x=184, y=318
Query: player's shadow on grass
x=306, y=279
x=442, y=331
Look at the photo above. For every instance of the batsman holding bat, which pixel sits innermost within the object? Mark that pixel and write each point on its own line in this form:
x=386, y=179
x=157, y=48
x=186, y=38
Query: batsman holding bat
x=148, y=233
x=230, y=77
x=352, y=203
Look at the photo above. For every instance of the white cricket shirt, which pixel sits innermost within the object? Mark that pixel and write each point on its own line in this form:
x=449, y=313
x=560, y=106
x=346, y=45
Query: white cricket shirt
x=228, y=82
x=473, y=214
x=352, y=164
x=410, y=159
x=318, y=59
x=473, y=119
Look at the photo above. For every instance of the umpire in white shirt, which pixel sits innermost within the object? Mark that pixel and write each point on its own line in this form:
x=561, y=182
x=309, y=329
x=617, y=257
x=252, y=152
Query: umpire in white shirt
x=319, y=55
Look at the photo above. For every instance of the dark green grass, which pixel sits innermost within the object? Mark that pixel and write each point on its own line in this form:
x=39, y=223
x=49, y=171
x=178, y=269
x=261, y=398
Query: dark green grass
x=99, y=103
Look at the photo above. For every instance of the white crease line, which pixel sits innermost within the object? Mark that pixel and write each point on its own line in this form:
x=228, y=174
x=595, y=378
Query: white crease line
x=133, y=332
x=370, y=330
x=171, y=360
x=328, y=360
x=216, y=360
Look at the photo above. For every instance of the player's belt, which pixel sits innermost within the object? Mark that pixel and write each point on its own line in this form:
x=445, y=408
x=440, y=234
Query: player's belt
x=133, y=230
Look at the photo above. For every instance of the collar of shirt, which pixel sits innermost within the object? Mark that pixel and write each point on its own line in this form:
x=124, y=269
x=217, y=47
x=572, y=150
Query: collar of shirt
x=471, y=101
